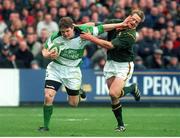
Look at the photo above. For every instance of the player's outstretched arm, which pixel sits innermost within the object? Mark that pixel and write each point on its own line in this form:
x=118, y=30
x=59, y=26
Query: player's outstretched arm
x=97, y=41
x=126, y=24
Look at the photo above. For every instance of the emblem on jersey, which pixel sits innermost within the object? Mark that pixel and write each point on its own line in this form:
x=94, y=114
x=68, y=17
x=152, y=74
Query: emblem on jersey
x=119, y=33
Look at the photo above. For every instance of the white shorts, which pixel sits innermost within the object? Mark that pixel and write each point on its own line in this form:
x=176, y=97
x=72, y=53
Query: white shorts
x=122, y=70
x=70, y=77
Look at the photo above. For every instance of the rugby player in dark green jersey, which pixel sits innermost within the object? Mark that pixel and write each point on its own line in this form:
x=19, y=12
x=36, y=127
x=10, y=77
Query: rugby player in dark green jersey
x=119, y=66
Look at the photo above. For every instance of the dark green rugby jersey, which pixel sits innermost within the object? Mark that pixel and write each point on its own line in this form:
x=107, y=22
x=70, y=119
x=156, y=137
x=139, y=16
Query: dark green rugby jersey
x=123, y=44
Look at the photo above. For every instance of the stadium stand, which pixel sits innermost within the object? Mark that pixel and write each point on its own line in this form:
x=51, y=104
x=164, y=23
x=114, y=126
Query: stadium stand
x=31, y=21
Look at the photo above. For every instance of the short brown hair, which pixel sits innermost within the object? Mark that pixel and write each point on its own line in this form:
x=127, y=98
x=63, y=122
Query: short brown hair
x=66, y=22
x=140, y=13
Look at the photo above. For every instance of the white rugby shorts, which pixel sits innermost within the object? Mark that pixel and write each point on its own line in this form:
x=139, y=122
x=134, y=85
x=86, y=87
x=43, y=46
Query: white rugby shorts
x=122, y=70
x=70, y=77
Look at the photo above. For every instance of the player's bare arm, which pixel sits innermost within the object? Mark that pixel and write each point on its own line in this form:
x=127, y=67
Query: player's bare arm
x=126, y=24
x=100, y=42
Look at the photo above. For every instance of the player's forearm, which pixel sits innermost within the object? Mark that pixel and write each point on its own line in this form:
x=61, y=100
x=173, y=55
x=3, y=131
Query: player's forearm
x=109, y=27
x=101, y=42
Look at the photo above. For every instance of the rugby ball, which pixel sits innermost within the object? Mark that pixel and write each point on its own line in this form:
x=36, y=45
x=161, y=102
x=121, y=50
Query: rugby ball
x=54, y=47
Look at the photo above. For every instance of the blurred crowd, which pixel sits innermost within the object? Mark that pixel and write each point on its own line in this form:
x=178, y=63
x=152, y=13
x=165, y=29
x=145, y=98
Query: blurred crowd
x=26, y=24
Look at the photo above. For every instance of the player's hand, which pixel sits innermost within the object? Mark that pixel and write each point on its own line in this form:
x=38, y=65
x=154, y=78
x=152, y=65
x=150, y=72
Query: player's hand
x=128, y=23
x=53, y=54
x=131, y=23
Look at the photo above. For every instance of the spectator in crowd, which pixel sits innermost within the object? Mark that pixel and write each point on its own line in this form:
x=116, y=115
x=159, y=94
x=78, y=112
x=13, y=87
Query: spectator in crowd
x=54, y=14
x=147, y=44
x=6, y=10
x=4, y=53
x=76, y=15
x=43, y=37
x=27, y=19
x=118, y=13
x=156, y=60
x=138, y=64
x=47, y=23
x=11, y=62
x=14, y=45
x=3, y=26
x=17, y=28
x=8, y=59
x=160, y=24
x=97, y=59
x=39, y=16
x=173, y=63
x=24, y=54
x=157, y=39
x=168, y=50
x=35, y=65
x=34, y=46
x=151, y=18
x=62, y=12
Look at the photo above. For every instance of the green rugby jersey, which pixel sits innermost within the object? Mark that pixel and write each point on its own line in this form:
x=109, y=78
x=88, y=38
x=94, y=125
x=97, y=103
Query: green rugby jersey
x=72, y=49
x=123, y=44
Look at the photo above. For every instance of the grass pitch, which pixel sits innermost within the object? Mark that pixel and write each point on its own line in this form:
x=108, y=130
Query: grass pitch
x=90, y=121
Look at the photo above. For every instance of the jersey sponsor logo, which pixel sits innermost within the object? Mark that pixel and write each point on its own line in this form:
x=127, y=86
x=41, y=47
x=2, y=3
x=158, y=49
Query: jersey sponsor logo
x=72, y=53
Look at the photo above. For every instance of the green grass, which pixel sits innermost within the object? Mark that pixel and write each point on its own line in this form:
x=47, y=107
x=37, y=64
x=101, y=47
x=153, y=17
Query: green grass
x=90, y=121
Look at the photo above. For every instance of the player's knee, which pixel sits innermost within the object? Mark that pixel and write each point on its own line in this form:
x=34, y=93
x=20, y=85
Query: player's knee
x=114, y=94
x=48, y=98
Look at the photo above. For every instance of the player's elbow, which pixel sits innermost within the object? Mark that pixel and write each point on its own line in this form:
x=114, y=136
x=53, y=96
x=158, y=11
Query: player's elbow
x=108, y=45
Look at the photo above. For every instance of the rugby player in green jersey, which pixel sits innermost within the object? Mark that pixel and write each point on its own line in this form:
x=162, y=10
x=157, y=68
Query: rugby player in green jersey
x=119, y=66
x=64, y=68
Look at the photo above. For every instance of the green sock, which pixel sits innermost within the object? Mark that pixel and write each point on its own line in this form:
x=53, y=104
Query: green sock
x=128, y=89
x=48, y=110
x=117, y=110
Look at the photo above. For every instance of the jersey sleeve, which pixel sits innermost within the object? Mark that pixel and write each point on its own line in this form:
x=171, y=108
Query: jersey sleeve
x=123, y=41
x=94, y=30
x=47, y=43
x=50, y=40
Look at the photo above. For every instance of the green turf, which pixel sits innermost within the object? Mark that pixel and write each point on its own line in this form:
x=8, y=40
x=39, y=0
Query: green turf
x=90, y=121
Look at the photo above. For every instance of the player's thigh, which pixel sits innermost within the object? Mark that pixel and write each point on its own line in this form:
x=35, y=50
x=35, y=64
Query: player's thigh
x=53, y=72
x=116, y=85
x=72, y=78
x=109, y=81
x=51, y=87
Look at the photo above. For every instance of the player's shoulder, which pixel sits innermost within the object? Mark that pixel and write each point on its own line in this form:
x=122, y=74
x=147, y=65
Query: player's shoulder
x=80, y=27
x=54, y=35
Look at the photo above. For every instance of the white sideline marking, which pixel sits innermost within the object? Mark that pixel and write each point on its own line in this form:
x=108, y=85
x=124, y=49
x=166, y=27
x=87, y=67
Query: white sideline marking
x=72, y=119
